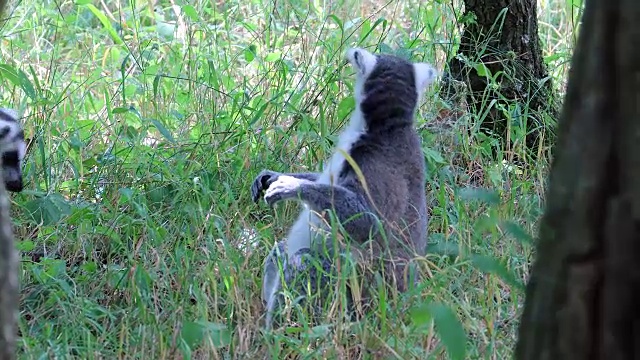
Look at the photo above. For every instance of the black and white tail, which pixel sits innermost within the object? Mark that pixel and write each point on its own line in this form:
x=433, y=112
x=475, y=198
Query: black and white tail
x=12, y=148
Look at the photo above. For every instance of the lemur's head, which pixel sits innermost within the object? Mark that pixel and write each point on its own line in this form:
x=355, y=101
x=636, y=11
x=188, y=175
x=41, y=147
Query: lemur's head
x=12, y=149
x=388, y=86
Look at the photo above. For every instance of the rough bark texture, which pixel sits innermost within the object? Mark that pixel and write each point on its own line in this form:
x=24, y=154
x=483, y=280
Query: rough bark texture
x=508, y=43
x=8, y=281
x=583, y=294
x=8, y=271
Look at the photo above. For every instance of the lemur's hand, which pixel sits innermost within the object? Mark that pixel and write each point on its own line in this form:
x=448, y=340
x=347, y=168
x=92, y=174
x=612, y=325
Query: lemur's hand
x=262, y=182
x=285, y=187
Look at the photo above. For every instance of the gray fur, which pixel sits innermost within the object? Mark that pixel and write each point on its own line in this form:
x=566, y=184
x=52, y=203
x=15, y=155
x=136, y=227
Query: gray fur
x=388, y=152
x=307, y=272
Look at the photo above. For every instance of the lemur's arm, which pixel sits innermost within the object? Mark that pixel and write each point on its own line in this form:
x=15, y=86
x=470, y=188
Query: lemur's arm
x=351, y=209
x=266, y=177
x=311, y=176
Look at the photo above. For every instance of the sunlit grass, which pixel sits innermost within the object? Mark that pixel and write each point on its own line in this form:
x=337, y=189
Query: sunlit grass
x=147, y=125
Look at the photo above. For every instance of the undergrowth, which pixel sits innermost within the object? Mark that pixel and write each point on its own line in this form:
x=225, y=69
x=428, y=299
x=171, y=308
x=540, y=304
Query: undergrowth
x=146, y=126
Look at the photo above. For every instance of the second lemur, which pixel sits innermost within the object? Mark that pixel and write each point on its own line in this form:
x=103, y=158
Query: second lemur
x=12, y=149
x=382, y=141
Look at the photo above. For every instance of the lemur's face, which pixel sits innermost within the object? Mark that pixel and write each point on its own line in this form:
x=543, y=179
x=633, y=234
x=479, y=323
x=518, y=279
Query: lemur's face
x=12, y=150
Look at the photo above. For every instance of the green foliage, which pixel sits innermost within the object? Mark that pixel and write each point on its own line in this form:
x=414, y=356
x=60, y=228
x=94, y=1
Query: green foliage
x=146, y=125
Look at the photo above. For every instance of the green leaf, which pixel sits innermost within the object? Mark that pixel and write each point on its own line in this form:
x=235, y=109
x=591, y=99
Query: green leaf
x=346, y=106
x=18, y=78
x=489, y=196
x=159, y=194
x=257, y=115
x=49, y=210
x=89, y=267
x=195, y=333
x=163, y=130
x=191, y=12
x=80, y=214
x=317, y=332
x=105, y=22
x=142, y=279
x=384, y=48
x=127, y=193
x=495, y=175
x=10, y=73
x=338, y=22
x=482, y=70
x=432, y=16
x=449, y=329
x=25, y=245
x=120, y=110
x=250, y=53
x=26, y=85
x=445, y=248
x=156, y=83
x=552, y=57
x=515, y=230
x=433, y=155
x=491, y=265
x=271, y=57
x=420, y=315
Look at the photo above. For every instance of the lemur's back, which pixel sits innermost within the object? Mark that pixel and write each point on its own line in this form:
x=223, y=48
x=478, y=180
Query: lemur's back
x=389, y=154
x=394, y=167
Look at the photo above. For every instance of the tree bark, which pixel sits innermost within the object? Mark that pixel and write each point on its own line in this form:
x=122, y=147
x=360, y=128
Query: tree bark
x=8, y=280
x=508, y=43
x=8, y=270
x=583, y=294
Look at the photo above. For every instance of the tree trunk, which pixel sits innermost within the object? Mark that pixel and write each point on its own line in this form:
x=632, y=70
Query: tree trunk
x=503, y=37
x=8, y=280
x=583, y=294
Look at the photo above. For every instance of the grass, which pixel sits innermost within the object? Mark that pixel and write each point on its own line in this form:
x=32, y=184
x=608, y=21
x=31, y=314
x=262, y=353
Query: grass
x=147, y=123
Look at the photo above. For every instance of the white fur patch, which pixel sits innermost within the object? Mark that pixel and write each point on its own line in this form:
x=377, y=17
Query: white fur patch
x=349, y=136
x=361, y=60
x=425, y=75
x=363, y=63
x=301, y=233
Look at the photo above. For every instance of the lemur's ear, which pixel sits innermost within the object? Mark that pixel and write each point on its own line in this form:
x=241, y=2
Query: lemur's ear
x=425, y=75
x=361, y=60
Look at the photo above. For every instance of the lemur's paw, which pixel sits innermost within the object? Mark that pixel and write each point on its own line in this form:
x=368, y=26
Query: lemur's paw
x=285, y=187
x=262, y=182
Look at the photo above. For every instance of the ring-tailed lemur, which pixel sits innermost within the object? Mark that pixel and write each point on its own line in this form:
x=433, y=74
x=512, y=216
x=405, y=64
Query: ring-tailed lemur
x=12, y=148
x=382, y=141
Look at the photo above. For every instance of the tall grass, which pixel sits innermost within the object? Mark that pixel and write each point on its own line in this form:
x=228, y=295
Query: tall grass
x=147, y=123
